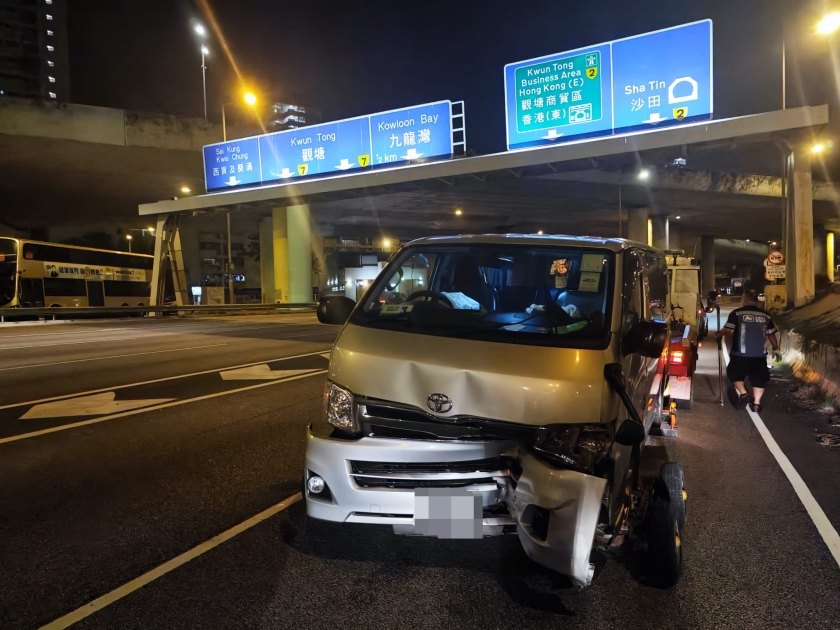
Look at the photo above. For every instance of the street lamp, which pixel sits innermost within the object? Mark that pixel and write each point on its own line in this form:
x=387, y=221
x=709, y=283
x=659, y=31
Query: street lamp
x=249, y=98
x=644, y=174
x=829, y=24
x=128, y=238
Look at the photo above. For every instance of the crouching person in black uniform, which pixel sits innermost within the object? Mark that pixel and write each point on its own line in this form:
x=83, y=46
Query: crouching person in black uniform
x=750, y=326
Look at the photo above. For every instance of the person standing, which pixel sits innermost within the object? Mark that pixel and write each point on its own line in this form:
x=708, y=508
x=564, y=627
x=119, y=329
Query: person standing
x=750, y=327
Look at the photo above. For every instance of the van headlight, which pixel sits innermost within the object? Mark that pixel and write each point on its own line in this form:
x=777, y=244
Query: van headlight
x=576, y=446
x=339, y=408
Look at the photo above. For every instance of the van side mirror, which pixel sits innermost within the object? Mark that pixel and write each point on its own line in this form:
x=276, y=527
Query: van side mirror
x=646, y=338
x=335, y=309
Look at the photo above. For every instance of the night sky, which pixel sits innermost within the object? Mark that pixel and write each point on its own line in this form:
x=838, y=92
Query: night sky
x=352, y=58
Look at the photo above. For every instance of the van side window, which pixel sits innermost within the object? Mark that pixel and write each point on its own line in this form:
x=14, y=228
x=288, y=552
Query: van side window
x=632, y=289
x=656, y=279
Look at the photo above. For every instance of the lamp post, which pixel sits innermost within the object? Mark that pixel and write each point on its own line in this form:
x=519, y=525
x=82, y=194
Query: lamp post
x=202, y=33
x=204, y=52
x=128, y=238
x=249, y=98
x=826, y=26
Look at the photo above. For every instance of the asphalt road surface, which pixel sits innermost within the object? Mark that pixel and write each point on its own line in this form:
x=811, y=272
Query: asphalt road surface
x=128, y=447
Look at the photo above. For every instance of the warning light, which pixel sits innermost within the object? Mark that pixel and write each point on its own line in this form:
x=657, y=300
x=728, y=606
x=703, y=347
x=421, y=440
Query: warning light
x=677, y=357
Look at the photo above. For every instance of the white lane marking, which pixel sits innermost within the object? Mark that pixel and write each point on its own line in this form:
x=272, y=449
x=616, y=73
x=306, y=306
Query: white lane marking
x=47, y=344
x=259, y=372
x=95, y=405
x=72, y=332
x=154, y=380
x=66, y=427
x=824, y=527
x=113, y=356
x=192, y=331
x=137, y=583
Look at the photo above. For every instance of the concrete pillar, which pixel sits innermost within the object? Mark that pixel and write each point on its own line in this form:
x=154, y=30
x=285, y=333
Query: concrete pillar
x=286, y=256
x=829, y=255
x=674, y=240
x=280, y=245
x=819, y=251
x=299, y=235
x=659, y=228
x=707, y=264
x=267, y=261
x=800, y=237
x=637, y=224
x=319, y=264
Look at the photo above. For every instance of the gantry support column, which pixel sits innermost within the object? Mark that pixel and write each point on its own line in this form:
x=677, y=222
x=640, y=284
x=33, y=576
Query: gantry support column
x=286, y=256
x=637, y=224
x=299, y=234
x=800, y=233
x=660, y=227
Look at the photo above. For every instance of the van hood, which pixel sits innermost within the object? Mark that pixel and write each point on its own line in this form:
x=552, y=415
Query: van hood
x=532, y=385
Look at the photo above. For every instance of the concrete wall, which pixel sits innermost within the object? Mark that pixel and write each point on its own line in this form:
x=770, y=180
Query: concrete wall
x=104, y=125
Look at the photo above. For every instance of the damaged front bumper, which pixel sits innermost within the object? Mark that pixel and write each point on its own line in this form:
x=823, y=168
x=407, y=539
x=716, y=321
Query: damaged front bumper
x=372, y=480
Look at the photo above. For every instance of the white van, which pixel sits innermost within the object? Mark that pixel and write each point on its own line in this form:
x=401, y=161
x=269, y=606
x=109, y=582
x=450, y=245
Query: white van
x=497, y=384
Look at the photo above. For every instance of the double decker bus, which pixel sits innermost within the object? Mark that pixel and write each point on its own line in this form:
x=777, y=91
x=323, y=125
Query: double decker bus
x=35, y=274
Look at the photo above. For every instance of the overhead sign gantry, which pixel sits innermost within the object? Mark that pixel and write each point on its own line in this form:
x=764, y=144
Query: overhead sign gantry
x=420, y=133
x=639, y=82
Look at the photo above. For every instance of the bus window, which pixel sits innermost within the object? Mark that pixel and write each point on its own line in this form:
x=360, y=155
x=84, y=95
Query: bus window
x=8, y=270
x=127, y=288
x=65, y=287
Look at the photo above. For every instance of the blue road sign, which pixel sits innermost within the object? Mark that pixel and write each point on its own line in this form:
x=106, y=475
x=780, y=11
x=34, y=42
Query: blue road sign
x=640, y=82
x=413, y=133
x=322, y=149
x=231, y=164
x=384, y=139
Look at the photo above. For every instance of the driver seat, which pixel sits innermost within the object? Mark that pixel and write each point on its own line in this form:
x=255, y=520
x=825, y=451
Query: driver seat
x=468, y=279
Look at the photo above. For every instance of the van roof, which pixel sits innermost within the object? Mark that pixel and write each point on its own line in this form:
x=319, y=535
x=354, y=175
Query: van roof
x=614, y=244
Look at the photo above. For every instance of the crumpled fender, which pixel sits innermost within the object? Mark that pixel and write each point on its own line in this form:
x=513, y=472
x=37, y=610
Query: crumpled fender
x=573, y=501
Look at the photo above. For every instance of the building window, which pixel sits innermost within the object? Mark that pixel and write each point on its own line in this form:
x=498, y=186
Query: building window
x=52, y=79
x=49, y=1
x=52, y=94
x=50, y=64
x=49, y=17
x=50, y=48
x=50, y=33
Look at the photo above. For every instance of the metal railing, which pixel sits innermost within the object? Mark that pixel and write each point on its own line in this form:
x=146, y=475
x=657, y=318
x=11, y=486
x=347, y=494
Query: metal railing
x=188, y=309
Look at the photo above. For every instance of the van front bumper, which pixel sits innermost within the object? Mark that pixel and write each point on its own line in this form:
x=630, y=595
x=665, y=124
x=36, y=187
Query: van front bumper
x=360, y=474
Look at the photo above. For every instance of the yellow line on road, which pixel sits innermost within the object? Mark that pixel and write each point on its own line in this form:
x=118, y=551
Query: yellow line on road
x=67, y=427
x=126, y=589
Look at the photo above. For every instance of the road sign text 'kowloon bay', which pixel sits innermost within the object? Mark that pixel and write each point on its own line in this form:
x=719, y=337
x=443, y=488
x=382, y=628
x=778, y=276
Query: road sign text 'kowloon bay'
x=423, y=132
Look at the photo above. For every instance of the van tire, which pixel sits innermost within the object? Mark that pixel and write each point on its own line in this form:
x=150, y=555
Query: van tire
x=673, y=479
x=665, y=525
x=665, y=544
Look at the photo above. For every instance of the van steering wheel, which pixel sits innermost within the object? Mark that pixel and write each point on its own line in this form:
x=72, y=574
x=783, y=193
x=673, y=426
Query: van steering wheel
x=434, y=295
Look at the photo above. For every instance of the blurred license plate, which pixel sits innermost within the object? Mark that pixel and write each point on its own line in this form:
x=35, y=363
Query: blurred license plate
x=447, y=513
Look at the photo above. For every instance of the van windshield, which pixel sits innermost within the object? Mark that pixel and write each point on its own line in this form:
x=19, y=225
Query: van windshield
x=538, y=295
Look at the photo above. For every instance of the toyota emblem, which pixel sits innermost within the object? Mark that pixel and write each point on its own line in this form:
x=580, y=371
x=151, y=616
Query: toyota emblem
x=439, y=403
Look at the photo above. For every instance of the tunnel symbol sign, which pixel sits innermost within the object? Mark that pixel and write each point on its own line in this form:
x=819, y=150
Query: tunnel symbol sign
x=692, y=96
